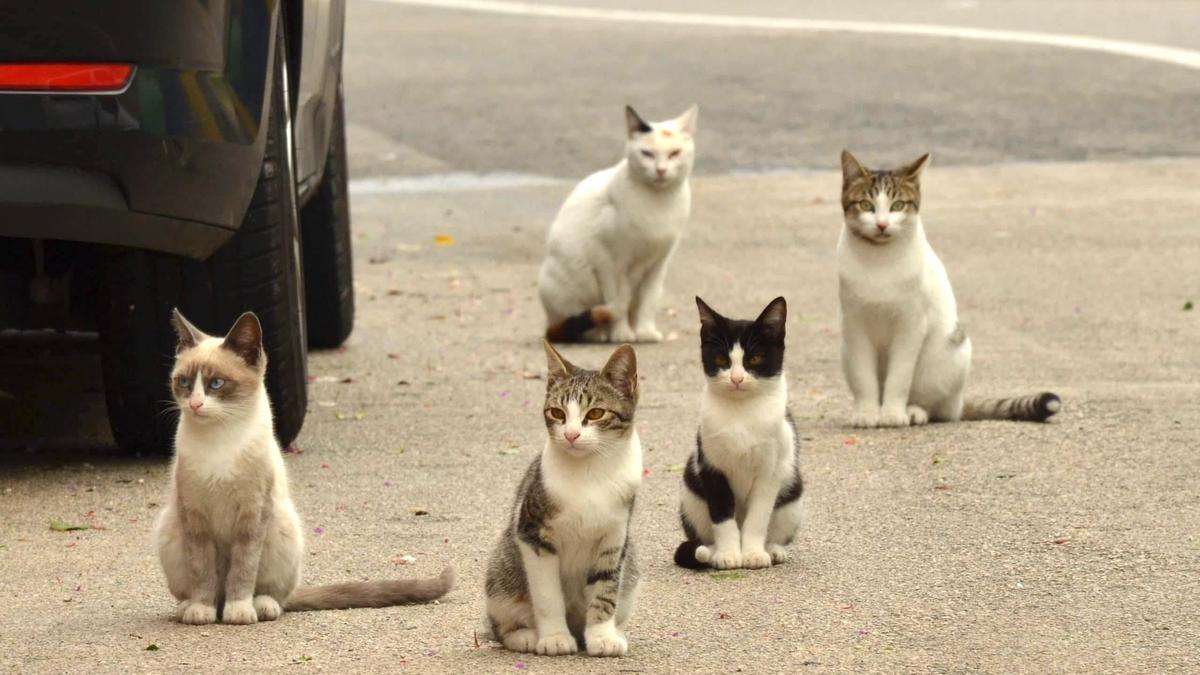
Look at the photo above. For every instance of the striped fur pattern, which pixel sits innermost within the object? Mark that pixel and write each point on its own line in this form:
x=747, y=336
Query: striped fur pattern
x=740, y=501
x=563, y=575
x=229, y=538
x=905, y=354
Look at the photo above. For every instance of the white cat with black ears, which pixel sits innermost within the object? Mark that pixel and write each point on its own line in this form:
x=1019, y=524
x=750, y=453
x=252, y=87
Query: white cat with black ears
x=609, y=247
x=905, y=355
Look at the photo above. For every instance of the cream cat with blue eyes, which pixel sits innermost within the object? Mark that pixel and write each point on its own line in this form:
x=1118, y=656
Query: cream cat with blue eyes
x=609, y=247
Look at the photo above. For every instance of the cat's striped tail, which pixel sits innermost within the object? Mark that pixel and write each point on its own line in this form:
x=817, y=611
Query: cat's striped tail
x=1032, y=408
x=573, y=328
x=383, y=593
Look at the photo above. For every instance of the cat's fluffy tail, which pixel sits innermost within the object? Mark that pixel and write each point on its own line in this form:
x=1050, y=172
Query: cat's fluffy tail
x=383, y=593
x=573, y=328
x=1032, y=408
x=685, y=555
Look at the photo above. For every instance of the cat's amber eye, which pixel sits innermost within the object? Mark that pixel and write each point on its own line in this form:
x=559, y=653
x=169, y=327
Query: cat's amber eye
x=899, y=206
x=674, y=154
x=557, y=414
x=754, y=360
x=865, y=205
x=722, y=361
x=595, y=414
x=216, y=383
x=648, y=154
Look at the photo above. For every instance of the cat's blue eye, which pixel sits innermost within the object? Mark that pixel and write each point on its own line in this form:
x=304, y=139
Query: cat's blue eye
x=866, y=205
x=183, y=382
x=216, y=383
x=648, y=154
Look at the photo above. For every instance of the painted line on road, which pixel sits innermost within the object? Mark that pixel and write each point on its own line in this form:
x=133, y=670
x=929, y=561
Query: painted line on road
x=458, y=181
x=1139, y=50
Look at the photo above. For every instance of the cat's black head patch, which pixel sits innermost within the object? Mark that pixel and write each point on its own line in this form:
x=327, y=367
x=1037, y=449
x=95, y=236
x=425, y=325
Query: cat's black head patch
x=761, y=340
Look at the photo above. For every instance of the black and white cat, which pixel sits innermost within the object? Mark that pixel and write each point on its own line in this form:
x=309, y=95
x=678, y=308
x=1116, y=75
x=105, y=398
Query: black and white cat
x=740, y=502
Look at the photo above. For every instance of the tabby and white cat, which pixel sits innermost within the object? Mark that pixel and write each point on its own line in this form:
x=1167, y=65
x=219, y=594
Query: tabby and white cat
x=563, y=574
x=740, y=502
x=904, y=352
x=609, y=247
x=229, y=538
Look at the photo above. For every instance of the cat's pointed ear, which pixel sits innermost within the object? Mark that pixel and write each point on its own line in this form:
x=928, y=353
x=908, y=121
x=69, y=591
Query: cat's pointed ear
x=245, y=339
x=852, y=169
x=708, y=316
x=687, y=121
x=634, y=124
x=913, y=171
x=556, y=366
x=189, y=335
x=773, y=320
x=621, y=371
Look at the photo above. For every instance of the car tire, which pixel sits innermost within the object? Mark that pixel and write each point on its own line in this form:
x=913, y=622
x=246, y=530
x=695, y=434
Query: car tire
x=258, y=269
x=325, y=228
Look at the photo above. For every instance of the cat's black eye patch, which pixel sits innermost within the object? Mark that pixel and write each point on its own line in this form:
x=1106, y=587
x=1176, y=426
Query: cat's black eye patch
x=754, y=360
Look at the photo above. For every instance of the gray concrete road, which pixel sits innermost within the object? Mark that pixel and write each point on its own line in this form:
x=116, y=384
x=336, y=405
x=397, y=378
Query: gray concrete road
x=986, y=547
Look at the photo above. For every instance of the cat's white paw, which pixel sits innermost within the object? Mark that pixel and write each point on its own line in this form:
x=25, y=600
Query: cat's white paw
x=755, y=560
x=197, y=613
x=648, y=334
x=240, y=612
x=704, y=555
x=557, y=644
x=726, y=560
x=778, y=553
x=893, y=417
x=917, y=415
x=522, y=640
x=606, y=641
x=267, y=608
x=866, y=418
x=621, y=333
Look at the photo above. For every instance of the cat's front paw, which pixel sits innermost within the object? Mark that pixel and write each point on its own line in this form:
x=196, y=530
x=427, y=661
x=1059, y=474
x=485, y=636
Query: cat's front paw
x=605, y=641
x=726, y=560
x=893, y=417
x=557, y=644
x=267, y=608
x=865, y=418
x=755, y=560
x=197, y=613
x=648, y=334
x=621, y=333
x=239, y=612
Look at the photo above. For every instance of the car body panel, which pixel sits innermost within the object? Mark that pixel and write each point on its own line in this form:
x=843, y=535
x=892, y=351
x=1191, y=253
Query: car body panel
x=320, y=76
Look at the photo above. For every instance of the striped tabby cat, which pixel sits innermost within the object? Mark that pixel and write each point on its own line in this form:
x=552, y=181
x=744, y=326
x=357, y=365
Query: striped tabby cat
x=904, y=352
x=563, y=575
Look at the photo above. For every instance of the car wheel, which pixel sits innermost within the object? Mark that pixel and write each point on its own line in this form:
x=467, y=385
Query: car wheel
x=325, y=228
x=258, y=269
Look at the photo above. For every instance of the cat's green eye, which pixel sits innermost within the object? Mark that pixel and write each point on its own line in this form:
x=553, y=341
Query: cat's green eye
x=216, y=383
x=557, y=414
x=755, y=360
x=647, y=154
x=595, y=414
x=899, y=206
x=865, y=205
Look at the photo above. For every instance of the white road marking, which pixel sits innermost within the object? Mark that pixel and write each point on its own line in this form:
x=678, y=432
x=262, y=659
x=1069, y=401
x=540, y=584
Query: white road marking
x=459, y=181
x=1139, y=50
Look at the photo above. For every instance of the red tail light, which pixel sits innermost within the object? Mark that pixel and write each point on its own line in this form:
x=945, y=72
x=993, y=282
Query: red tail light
x=64, y=77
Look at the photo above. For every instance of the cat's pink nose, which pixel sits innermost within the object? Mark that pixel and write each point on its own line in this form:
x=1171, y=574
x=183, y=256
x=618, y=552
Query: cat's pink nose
x=737, y=379
x=882, y=226
x=195, y=404
x=661, y=171
x=571, y=436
